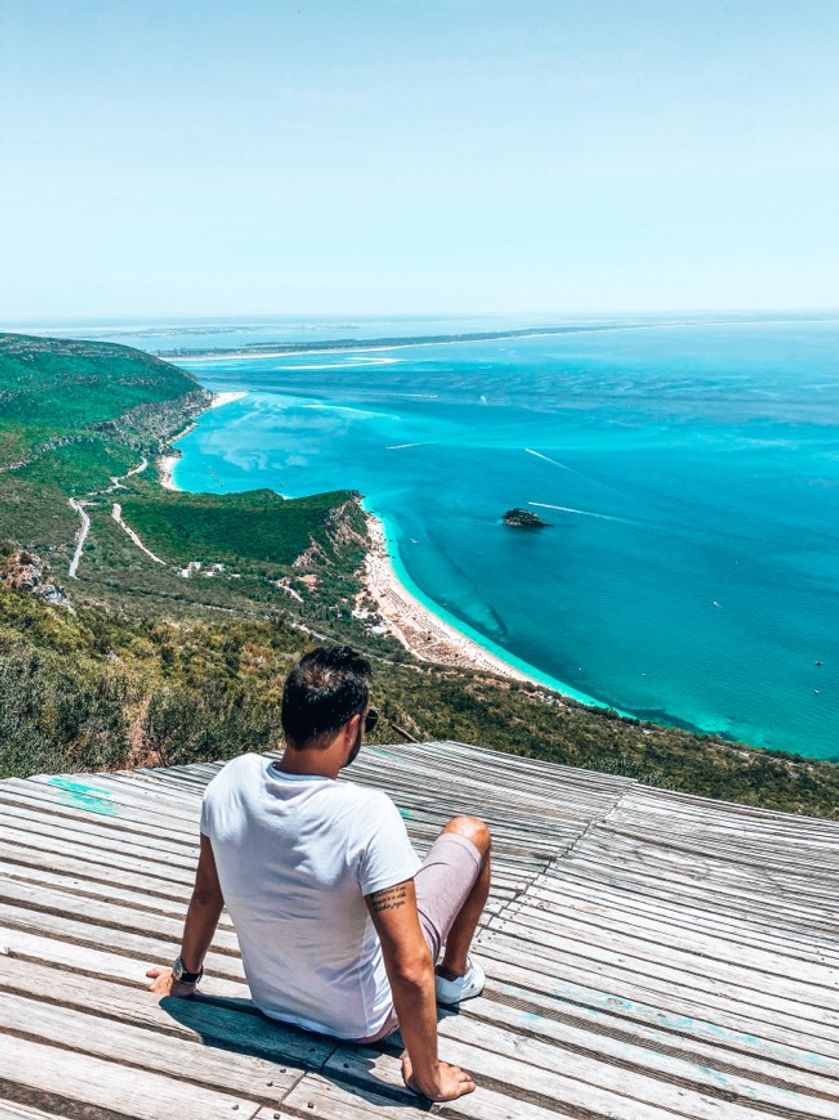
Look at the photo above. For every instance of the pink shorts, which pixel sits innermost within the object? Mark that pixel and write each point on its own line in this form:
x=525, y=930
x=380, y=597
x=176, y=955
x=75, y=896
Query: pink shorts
x=443, y=883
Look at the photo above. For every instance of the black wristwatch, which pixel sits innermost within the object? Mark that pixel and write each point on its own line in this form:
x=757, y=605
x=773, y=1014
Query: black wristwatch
x=183, y=975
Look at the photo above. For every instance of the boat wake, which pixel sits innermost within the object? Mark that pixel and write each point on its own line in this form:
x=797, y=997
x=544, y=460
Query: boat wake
x=548, y=459
x=584, y=512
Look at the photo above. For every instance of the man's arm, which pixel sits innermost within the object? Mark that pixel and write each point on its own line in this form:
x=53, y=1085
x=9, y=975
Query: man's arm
x=410, y=971
x=202, y=917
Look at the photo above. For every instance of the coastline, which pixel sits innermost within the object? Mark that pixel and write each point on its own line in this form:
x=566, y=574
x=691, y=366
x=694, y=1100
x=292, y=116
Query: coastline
x=416, y=625
x=166, y=463
x=292, y=349
x=423, y=633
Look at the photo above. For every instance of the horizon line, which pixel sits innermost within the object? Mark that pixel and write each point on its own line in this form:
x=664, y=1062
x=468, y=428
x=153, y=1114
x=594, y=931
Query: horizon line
x=160, y=319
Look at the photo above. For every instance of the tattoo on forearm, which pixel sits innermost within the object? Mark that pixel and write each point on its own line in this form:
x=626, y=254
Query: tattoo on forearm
x=393, y=898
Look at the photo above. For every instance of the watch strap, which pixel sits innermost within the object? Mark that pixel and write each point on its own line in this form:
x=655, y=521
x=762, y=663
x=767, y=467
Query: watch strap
x=183, y=975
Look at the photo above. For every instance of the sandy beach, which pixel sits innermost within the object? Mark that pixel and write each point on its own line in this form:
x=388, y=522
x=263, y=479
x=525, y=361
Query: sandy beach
x=227, y=398
x=418, y=629
x=166, y=463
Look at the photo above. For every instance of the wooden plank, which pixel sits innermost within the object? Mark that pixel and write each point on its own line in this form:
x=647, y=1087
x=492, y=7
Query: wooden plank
x=105, y=835
x=705, y=1066
x=127, y=1090
x=79, y=875
x=233, y=1024
x=148, y=950
x=135, y=816
x=645, y=856
x=193, y=1053
x=668, y=1010
x=728, y=816
x=103, y=883
x=505, y=1075
x=785, y=848
x=323, y=1098
x=487, y=1049
x=92, y=853
x=660, y=934
x=555, y=773
x=563, y=887
x=69, y=835
x=759, y=988
x=671, y=960
x=163, y=871
x=11, y=1110
x=135, y=789
x=93, y=961
x=679, y=848
x=536, y=815
x=206, y=1065
x=607, y=866
x=624, y=968
x=570, y=965
x=722, y=815
x=107, y=915
x=645, y=847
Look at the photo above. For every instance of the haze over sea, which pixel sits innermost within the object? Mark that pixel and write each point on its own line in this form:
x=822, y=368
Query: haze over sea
x=689, y=470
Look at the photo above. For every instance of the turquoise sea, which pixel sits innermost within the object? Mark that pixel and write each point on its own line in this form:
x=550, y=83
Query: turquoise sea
x=689, y=472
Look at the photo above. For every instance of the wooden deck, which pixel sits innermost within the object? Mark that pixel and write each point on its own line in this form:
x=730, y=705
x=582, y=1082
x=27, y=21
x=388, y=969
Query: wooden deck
x=650, y=955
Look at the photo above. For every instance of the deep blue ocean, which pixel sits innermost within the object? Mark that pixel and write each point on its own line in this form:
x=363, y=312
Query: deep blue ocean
x=689, y=473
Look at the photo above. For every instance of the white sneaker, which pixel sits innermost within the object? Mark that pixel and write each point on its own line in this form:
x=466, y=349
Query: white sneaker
x=471, y=984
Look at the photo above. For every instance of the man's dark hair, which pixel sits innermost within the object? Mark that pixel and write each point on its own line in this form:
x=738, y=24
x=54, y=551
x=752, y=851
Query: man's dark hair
x=326, y=688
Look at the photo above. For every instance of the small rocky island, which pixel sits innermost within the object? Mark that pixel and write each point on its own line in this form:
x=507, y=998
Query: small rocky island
x=523, y=519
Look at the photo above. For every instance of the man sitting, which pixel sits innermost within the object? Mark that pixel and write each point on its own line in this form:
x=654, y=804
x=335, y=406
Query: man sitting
x=338, y=921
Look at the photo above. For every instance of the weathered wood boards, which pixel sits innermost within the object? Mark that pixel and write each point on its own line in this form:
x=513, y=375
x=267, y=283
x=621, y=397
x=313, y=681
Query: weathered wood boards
x=649, y=955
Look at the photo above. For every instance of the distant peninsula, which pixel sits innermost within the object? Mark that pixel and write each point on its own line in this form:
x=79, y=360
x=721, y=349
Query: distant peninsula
x=326, y=346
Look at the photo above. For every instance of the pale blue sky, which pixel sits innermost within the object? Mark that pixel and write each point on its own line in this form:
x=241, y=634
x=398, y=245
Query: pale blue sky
x=166, y=158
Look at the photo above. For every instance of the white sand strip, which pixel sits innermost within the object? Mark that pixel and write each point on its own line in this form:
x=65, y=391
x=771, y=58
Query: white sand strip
x=166, y=463
x=420, y=631
x=165, y=467
x=220, y=399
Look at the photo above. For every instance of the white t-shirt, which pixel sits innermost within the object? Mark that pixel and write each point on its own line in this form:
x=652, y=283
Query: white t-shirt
x=295, y=856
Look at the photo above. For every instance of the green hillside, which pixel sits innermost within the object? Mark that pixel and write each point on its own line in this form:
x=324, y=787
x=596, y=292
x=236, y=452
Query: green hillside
x=72, y=414
x=77, y=420
x=63, y=386
x=223, y=527
x=170, y=640
x=109, y=688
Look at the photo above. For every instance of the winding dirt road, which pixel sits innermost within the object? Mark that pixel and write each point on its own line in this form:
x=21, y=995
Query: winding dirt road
x=116, y=513
x=81, y=537
x=84, y=528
